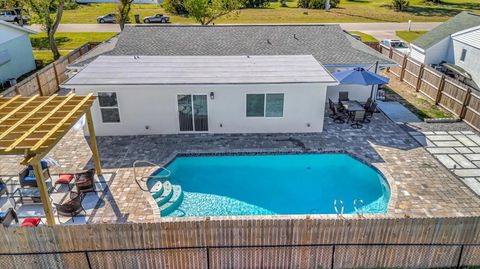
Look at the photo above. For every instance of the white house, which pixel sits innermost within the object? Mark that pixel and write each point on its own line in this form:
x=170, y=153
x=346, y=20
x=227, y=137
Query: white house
x=16, y=56
x=447, y=42
x=215, y=94
x=235, y=78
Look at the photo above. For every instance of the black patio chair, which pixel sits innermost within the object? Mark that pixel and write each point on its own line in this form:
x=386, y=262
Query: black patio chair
x=6, y=218
x=369, y=112
x=368, y=103
x=357, y=118
x=337, y=116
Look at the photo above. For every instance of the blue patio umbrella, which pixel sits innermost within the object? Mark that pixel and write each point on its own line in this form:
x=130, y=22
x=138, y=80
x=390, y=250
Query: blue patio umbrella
x=360, y=76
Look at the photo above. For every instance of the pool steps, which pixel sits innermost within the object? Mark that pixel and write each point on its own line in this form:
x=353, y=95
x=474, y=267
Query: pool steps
x=168, y=196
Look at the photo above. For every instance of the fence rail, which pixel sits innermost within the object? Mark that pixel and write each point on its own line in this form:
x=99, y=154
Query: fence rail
x=459, y=99
x=47, y=80
x=258, y=256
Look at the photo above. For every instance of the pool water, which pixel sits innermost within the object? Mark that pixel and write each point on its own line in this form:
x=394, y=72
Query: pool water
x=275, y=184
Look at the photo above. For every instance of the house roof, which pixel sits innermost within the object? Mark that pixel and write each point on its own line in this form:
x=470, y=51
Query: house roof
x=470, y=37
x=16, y=27
x=462, y=21
x=329, y=44
x=153, y=70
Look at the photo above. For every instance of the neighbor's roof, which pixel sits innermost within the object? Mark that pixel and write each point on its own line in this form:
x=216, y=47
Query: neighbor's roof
x=329, y=44
x=462, y=21
x=470, y=37
x=16, y=27
x=151, y=70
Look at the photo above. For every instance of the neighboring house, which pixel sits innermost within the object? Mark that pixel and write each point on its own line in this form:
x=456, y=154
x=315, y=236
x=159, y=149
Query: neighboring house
x=220, y=79
x=16, y=55
x=448, y=41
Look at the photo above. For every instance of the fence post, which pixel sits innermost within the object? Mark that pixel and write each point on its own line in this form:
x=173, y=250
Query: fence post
x=208, y=257
x=460, y=257
x=404, y=66
x=16, y=89
x=466, y=101
x=419, y=79
x=39, y=84
x=88, y=260
x=333, y=257
x=56, y=74
x=440, y=89
x=390, y=55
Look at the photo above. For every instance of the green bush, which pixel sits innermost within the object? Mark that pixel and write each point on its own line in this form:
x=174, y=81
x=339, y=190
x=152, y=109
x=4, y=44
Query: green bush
x=70, y=5
x=256, y=3
x=400, y=5
x=317, y=4
x=174, y=7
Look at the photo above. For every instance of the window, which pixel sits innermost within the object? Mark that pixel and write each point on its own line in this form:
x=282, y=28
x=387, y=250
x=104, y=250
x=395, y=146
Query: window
x=464, y=55
x=108, y=107
x=265, y=105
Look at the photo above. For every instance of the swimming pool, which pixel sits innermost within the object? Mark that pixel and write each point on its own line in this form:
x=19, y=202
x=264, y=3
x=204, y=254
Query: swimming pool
x=268, y=185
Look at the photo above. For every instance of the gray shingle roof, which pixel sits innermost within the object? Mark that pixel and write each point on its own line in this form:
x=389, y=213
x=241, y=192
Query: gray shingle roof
x=329, y=44
x=462, y=21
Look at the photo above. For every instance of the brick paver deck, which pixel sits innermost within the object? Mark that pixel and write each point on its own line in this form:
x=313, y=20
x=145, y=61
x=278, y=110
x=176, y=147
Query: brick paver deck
x=421, y=186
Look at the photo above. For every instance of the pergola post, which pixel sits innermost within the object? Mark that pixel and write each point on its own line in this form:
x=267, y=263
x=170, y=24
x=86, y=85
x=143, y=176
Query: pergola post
x=42, y=188
x=93, y=142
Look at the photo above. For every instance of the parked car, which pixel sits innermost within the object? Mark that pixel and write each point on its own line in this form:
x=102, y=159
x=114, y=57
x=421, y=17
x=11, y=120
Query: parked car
x=109, y=18
x=11, y=15
x=397, y=44
x=158, y=18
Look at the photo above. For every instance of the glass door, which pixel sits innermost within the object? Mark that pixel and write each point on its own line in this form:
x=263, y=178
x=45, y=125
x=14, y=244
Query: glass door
x=193, y=113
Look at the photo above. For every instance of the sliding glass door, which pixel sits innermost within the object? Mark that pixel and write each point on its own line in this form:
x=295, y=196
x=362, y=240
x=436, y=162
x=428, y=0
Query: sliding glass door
x=193, y=113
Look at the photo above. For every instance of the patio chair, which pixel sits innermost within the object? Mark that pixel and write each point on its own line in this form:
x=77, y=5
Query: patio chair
x=6, y=218
x=343, y=96
x=85, y=181
x=356, y=118
x=337, y=116
x=72, y=207
x=27, y=176
x=331, y=106
x=369, y=112
x=368, y=103
x=3, y=188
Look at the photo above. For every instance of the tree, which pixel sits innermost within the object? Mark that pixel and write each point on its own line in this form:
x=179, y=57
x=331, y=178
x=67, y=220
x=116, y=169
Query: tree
x=207, y=11
x=9, y=4
x=124, y=7
x=48, y=14
x=174, y=7
x=400, y=5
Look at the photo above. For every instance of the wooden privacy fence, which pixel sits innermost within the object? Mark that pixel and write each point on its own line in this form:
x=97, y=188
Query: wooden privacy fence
x=261, y=242
x=47, y=80
x=456, y=97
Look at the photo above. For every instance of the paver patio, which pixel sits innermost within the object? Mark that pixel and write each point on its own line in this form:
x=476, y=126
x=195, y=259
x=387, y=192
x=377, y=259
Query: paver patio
x=421, y=185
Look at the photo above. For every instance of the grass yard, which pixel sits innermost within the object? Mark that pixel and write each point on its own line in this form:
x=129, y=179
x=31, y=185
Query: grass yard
x=347, y=11
x=409, y=36
x=68, y=41
x=364, y=37
x=46, y=55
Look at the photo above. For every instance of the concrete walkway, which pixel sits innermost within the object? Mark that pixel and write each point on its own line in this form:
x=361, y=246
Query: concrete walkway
x=397, y=112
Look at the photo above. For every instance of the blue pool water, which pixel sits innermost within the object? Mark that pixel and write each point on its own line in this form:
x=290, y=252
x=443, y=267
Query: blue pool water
x=275, y=184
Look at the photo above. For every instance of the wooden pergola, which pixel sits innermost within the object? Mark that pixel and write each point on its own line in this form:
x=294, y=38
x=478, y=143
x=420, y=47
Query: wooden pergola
x=32, y=126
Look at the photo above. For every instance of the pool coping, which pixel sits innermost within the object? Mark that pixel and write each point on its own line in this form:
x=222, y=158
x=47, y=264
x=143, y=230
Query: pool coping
x=365, y=160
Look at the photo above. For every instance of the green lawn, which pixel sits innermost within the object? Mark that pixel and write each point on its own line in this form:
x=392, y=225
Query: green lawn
x=409, y=36
x=68, y=41
x=347, y=11
x=364, y=37
x=46, y=55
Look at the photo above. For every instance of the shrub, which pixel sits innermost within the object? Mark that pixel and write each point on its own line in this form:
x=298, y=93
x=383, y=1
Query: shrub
x=70, y=5
x=256, y=3
x=400, y=5
x=317, y=4
x=174, y=7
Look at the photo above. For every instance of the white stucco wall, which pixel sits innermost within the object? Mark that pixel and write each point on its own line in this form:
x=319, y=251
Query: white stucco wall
x=471, y=63
x=19, y=49
x=156, y=106
x=417, y=53
x=438, y=52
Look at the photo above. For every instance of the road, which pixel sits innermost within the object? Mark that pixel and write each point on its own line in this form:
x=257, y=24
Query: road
x=378, y=30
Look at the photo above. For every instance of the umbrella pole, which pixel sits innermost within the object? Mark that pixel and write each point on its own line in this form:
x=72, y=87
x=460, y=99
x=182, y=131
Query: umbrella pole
x=373, y=85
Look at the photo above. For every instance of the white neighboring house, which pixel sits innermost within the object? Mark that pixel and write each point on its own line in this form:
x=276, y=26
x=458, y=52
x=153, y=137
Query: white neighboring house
x=446, y=43
x=16, y=55
x=142, y=95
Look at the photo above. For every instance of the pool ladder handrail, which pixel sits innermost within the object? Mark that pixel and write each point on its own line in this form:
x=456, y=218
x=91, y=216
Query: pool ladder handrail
x=342, y=208
x=160, y=177
x=362, y=212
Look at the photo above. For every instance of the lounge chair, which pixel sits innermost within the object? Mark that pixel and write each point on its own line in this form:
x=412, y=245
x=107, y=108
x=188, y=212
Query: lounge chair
x=3, y=188
x=356, y=118
x=72, y=207
x=85, y=181
x=27, y=176
x=6, y=218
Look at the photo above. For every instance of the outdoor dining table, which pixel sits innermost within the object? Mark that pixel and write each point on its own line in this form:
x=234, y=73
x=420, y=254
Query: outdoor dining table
x=352, y=106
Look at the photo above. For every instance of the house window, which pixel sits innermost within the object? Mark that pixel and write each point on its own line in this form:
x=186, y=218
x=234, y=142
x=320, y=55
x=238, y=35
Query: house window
x=265, y=105
x=464, y=55
x=108, y=107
